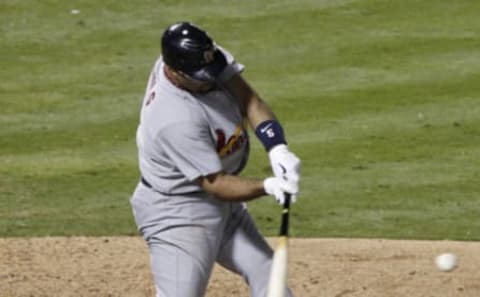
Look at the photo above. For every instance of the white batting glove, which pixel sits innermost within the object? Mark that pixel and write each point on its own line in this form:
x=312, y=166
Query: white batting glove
x=277, y=187
x=284, y=163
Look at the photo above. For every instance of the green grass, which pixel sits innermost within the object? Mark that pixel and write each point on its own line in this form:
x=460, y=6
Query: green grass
x=380, y=99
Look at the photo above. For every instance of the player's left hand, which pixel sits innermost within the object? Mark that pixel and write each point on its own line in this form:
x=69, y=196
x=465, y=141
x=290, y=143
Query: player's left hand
x=285, y=164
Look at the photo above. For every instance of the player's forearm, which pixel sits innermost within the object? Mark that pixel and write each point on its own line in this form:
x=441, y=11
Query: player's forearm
x=258, y=111
x=232, y=188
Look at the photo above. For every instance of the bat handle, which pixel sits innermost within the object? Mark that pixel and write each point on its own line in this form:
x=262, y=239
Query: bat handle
x=285, y=215
x=286, y=203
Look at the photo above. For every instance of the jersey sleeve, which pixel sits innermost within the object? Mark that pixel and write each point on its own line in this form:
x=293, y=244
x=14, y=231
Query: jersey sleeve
x=191, y=149
x=232, y=68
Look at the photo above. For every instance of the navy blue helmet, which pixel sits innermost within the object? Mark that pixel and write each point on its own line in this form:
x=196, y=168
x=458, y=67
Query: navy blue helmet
x=189, y=49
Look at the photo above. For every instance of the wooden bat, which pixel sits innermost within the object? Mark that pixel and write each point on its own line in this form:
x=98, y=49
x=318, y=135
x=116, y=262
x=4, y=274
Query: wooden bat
x=277, y=285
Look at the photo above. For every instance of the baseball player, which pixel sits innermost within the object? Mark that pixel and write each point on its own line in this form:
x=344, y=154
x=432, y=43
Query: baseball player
x=192, y=143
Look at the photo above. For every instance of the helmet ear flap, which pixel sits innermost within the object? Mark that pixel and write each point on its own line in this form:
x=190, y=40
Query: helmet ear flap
x=189, y=49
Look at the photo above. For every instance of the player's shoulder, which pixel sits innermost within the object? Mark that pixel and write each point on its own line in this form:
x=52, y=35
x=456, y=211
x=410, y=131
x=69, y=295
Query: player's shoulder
x=167, y=108
x=228, y=55
x=233, y=67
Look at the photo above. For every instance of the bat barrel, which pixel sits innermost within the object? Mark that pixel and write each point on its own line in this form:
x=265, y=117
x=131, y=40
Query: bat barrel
x=277, y=286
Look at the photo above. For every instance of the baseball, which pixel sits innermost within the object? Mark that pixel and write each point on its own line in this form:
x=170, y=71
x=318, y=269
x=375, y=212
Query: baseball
x=446, y=262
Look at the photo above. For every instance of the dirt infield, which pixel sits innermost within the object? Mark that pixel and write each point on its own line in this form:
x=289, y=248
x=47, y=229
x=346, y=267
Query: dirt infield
x=118, y=266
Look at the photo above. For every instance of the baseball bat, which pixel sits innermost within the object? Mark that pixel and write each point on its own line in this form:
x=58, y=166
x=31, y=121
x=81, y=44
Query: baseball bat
x=277, y=284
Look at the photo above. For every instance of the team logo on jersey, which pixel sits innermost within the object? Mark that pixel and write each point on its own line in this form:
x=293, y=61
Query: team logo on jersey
x=234, y=142
x=150, y=98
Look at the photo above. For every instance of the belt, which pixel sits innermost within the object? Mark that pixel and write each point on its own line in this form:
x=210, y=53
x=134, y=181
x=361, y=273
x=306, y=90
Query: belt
x=145, y=182
x=148, y=185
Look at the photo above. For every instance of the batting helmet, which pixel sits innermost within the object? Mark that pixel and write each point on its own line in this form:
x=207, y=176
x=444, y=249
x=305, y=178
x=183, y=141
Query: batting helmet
x=189, y=49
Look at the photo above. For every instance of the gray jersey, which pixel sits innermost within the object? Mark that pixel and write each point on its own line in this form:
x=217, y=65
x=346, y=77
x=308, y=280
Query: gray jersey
x=182, y=136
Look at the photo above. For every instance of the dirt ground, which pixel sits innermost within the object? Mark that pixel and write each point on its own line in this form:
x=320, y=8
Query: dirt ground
x=119, y=266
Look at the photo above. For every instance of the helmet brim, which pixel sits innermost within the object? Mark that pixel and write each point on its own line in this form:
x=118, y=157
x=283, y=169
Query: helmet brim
x=211, y=71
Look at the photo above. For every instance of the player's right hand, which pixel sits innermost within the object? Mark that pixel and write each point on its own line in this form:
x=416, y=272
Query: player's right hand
x=277, y=187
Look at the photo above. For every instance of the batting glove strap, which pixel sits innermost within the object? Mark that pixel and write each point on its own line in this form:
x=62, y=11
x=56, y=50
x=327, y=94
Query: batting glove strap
x=270, y=133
